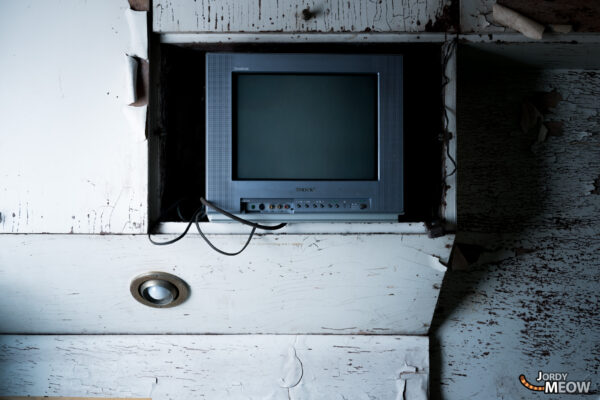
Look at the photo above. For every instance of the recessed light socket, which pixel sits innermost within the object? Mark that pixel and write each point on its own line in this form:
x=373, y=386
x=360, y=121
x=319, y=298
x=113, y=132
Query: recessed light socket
x=159, y=289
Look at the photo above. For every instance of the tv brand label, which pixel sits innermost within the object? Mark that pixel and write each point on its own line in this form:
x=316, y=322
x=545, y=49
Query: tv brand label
x=556, y=382
x=305, y=189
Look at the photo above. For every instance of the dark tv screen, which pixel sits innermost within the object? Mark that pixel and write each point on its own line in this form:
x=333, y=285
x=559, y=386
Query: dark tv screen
x=305, y=126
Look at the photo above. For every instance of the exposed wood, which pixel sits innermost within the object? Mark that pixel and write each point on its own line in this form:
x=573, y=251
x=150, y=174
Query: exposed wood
x=281, y=284
x=290, y=16
x=216, y=367
x=70, y=160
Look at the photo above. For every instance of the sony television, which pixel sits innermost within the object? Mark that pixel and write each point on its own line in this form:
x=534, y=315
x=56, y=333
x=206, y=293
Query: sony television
x=305, y=137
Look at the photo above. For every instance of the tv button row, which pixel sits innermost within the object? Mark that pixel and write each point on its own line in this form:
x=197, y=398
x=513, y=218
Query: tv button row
x=319, y=205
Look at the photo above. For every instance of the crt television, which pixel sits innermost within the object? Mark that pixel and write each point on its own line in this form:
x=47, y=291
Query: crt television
x=305, y=137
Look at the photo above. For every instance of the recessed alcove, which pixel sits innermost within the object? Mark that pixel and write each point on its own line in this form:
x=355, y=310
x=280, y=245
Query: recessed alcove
x=177, y=163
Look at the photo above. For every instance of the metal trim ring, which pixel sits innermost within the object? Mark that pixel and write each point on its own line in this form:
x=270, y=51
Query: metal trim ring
x=183, y=290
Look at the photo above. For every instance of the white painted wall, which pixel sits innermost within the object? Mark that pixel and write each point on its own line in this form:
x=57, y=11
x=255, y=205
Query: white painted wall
x=74, y=160
x=281, y=284
x=216, y=367
x=70, y=161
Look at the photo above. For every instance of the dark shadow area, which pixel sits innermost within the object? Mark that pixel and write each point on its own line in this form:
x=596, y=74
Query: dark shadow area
x=500, y=188
x=582, y=15
x=182, y=135
x=182, y=119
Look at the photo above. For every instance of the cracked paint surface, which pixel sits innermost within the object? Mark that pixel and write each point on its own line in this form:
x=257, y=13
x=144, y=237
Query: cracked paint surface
x=71, y=163
x=277, y=367
x=288, y=16
x=529, y=217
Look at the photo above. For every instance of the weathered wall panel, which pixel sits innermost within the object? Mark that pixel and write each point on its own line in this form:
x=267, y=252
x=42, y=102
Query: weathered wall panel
x=530, y=213
x=70, y=161
x=279, y=284
x=77, y=166
x=216, y=367
x=287, y=16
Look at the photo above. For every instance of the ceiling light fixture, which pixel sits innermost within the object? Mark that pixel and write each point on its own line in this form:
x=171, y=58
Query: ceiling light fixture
x=159, y=289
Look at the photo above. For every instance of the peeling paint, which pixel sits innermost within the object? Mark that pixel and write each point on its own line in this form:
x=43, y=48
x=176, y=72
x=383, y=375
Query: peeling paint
x=529, y=300
x=227, y=367
x=45, y=188
x=289, y=16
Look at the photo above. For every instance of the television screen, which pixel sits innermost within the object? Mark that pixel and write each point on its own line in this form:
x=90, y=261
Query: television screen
x=305, y=137
x=292, y=126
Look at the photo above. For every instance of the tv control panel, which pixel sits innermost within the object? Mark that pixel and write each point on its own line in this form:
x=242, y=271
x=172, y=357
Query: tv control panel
x=295, y=206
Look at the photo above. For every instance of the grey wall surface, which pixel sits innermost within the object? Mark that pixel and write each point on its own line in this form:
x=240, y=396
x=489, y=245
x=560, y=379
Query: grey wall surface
x=528, y=217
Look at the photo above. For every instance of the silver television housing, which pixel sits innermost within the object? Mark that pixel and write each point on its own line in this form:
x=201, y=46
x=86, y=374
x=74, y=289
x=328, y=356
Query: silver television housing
x=305, y=200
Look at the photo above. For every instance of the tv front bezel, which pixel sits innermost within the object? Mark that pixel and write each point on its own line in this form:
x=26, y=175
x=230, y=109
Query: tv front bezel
x=386, y=194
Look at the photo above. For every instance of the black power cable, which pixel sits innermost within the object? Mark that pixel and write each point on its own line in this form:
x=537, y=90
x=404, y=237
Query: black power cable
x=212, y=246
x=187, y=228
x=201, y=212
x=447, y=135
